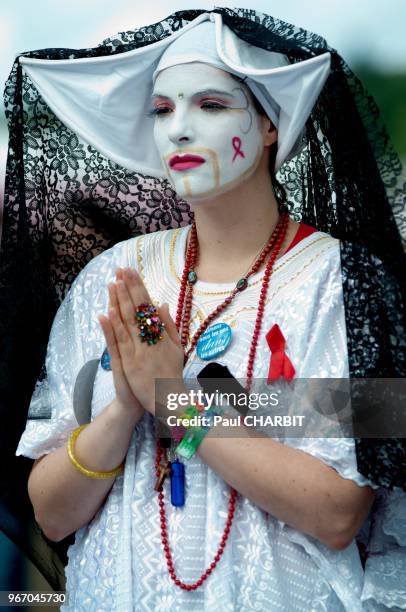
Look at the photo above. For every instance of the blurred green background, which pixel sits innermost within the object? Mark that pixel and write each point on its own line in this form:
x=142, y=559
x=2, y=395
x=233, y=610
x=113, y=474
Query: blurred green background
x=389, y=91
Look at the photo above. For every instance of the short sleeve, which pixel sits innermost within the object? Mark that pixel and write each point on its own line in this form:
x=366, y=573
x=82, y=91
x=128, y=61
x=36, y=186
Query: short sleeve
x=338, y=453
x=75, y=338
x=326, y=357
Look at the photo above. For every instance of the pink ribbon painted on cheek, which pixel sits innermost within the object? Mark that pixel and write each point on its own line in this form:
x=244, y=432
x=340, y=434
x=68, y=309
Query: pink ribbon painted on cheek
x=236, y=142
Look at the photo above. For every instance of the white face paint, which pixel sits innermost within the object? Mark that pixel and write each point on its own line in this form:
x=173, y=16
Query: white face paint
x=207, y=130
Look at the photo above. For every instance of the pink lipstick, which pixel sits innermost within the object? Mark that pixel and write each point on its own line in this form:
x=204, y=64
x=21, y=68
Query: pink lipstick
x=185, y=162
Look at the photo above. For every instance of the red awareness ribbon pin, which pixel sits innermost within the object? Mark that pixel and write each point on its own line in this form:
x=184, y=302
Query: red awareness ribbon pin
x=280, y=364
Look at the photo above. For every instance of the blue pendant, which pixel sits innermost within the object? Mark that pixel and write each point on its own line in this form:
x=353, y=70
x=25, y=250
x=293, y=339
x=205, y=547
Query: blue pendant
x=214, y=341
x=177, y=483
x=105, y=360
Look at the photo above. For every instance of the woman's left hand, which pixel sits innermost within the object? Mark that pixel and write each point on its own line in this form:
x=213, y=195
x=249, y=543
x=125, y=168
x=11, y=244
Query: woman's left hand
x=141, y=363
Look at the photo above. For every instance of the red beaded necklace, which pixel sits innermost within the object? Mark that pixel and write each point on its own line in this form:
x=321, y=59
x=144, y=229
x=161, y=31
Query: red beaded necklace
x=184, y=309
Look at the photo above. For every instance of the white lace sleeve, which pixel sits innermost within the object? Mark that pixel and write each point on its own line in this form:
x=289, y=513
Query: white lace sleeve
x=75, y=338
x=385, y=569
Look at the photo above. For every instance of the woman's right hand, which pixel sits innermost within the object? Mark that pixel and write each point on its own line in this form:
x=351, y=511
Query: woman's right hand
x=125, y=398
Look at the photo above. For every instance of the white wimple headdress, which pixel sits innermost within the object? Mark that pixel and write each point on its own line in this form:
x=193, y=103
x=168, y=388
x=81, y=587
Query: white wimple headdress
x=105, y=99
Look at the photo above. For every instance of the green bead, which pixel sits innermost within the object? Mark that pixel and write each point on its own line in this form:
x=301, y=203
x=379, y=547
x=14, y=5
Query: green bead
x=192, y=277
x=242, y=284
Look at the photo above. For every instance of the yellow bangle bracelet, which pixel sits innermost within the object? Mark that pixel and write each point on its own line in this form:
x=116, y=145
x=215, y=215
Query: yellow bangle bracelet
x=83, y=470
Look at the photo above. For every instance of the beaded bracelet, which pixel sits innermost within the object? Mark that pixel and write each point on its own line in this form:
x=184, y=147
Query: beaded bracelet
x=194, y=436
x=83, y=470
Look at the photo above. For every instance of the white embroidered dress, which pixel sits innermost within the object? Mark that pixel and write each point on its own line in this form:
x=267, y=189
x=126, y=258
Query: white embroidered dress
x=117, y=562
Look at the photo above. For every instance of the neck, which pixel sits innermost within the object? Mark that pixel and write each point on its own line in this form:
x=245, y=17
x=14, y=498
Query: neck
x=232, y=228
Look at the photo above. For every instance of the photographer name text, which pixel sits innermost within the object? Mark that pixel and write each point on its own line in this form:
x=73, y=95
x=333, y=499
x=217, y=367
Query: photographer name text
x=248, y=420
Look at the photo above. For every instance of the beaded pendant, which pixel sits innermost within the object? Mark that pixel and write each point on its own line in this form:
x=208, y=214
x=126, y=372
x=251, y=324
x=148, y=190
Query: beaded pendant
x=192, y=277
x=242, y=284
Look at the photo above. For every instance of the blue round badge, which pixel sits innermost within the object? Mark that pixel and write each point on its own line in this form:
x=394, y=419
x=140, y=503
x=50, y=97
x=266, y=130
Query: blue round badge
x=214, y=341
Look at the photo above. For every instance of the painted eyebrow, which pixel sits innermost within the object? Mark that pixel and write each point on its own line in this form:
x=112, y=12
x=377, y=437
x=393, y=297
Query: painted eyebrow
x=205, y=92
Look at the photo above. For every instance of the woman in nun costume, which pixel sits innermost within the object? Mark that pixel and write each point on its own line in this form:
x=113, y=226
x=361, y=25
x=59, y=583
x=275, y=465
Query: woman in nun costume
x=227, y=169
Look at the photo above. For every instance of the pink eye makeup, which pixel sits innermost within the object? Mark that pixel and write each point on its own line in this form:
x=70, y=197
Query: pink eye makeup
x=209, y=100
x=207, y=105
x=214, y=99
x=213, y=104
x=161, y=106
x=159, y=110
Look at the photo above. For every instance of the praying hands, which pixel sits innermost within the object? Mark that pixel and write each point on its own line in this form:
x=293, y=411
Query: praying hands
x=136, y=364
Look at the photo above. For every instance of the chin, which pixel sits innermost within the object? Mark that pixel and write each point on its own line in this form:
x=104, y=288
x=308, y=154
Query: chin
x=209, y=196
x=216, y=192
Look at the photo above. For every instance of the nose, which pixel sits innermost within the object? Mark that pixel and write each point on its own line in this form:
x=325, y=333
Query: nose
x=181, y=128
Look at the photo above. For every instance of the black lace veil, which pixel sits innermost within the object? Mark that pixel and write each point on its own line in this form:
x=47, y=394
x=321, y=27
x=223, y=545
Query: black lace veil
x=65, y=203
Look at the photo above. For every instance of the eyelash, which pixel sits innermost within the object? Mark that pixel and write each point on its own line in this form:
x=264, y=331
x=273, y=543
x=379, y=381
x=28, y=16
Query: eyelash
x=154, y=112
x=208, y=106
x=213, y=106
